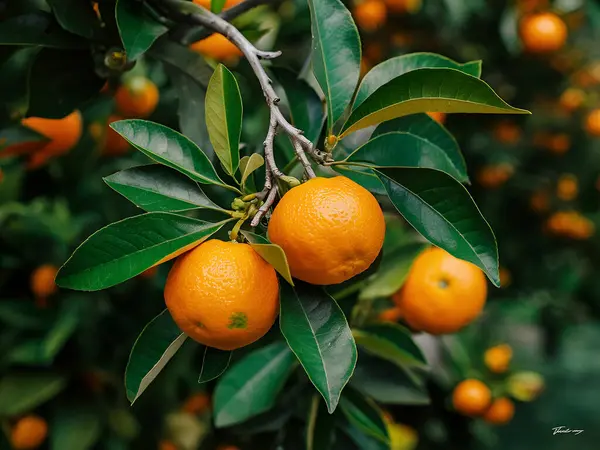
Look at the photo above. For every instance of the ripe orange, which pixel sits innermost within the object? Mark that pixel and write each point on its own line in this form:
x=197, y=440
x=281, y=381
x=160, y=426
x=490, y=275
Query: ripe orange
x=494, y=176
x=567, y=187
x=507, y=132
x=197, y=404
x=166, y=445
x=370, y=15
x=223, y=294
x=401, y=6
x=500, y=412
x=571, y=99
x=330, y=229
x=439, y=117
x=570, y=224
x=218, y=47
x=559, y=143
x=228, y=3
x=471, y=397
x=114, y=144
x=390, y=315
x=543, y=32
x=28, y=433
x=505, y=277
x=497, y=359
x=42, y=281
x=540, y=201
x=137, y=98
x=442, y=293
x=592, y=123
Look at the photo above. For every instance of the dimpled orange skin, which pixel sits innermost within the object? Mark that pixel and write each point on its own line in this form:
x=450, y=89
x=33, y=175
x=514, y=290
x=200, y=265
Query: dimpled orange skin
x=28, y=433
x=223, y=294
x=442, y=294
x=330, y=229
x=471, y=397
x=592, y=123
x=42, y=281
x=500, y=412
x=137, y=98
x=218, y=47
x=370, y=15
x=543, y=32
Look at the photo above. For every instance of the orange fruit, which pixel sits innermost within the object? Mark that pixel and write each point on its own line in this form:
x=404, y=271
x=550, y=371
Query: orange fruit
x=442, y=294
x=28, y=433
x=228, y=447
x=218, y=47
x=505, y=277
x=228, y=3
x=223, y=294
x=507, y=132
x=197, y=404
x=559, y=143
x=592, y=123
x=402, y=6
x=500, y=412
x=137, y=98
x=571, y=99
x=150, y=273
x=166, y=445
x=365, y=66
x=114, y=144
x=497, y=359
x=540, y=201
x=370, y=15
x=543, y=32
x=570, y=224
x=567, y=187
x=330, y=229
x=494, y=176
x=42, y=281
x=439, y=117
x=390, y=315
x=471, y=397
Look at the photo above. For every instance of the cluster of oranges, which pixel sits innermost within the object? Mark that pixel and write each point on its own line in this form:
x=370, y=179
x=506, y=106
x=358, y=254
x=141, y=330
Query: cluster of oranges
x=370, y=15
x=494, y=176
x=570, y=224
x=28, y=433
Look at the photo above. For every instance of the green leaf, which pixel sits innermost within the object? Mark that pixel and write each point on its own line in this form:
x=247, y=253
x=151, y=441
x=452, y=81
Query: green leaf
x=426, y=128
x=214, y=363
x=37, y=29
x=249, y=164
x=362, y=440
x=18, y=134
x=224, y=117
x=183, y=59
x=153, y=349
x=170, y=148
x=76, y=16
x=138, y=31
x=363, y=176
x=126, y=248
x=317, y=331
x=423, y=90
x=442, y=210
x=55, y=92
x=216, y=6
x=386, y=71
x=272, y=253
x=335, y=56
x=23, y=392
x=76, y=427
x=401, y=149
x=364, y=414
x=392, y=342
x=252, y=384
x=320, y=430
x=14, y=89
x=158, y=188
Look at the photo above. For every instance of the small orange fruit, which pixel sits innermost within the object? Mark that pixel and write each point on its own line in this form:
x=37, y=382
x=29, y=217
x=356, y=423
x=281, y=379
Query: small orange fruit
x=218, y=47
x=567, y=187
x=365, y=66
x=505, y=277
x=370, y=15
x=150, y=273
x=507, y=132
x=228, y=3
x=497, y=359
x=442, y=294
x=540, y=201
x=137, y=98
x=42, y=281
x=592, y=123
x=471, y=397
x=572, y=99
x=559, y=143
x=28, y=433
x=390, y=315
x=500, y=412
x=212, y=291
x=114, y=144
x=330, y=229
x=197, y=404
x=166, y=445
x=543, y=32
x=439, y=117
x=402, y=6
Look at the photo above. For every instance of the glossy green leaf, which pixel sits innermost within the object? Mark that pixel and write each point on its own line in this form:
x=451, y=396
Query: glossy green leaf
x=75, y=427
x=125, y=249
x=442, y=210
x=214, y=363
x=249, y=164
x=320, y=428
x=364, y=414
x=158, y=188
x=217, y=6
x=76, y=16
x=252, y=384
x=423, y=90
x=37, y=29
x=20, y=393
x=426, y=128
x=362, y=440
x=386, y=71
x=170, y=148
x=224, y=117
x=272, y=253
x=318, y=333
x=183, y=59
x=401, y=149
x=335, y=56
x=138, y=31
x=153, y=349
x=363, y=176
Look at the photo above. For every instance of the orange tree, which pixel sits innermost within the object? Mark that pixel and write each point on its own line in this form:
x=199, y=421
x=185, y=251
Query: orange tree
x=301, y=194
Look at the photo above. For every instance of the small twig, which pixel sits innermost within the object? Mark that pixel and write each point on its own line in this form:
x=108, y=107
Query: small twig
x=304, y=160
x=269, y=149
x=265, y=206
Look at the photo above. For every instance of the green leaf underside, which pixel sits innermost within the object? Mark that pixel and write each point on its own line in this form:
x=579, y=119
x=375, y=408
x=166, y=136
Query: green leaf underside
x=272, y=253
x=214, y=363
x=442, y=210
x=153, y=349
x=425, y=127
x=319, y=335
x=252, y=384
x=34, y=29
x=423, y=90
x=224, y=117
x=336, y=54
x=249, y=164
x=364, y=414
x=386, y=71
x=158, y=188
x=138, y=31
x=168, y=147
x=320, y=428
x=21, y=393
x=401, y=149
x=125, y=249
x=76, y=16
